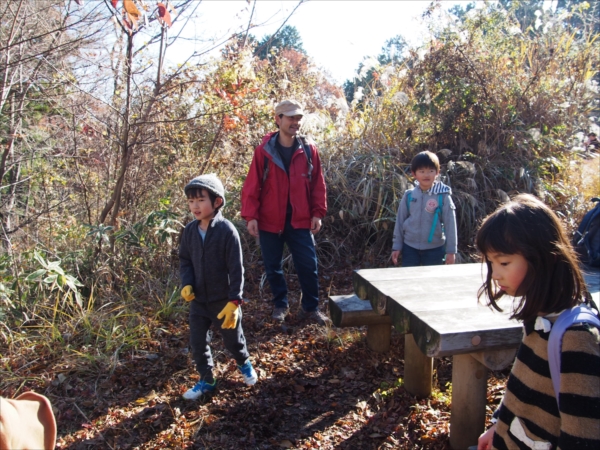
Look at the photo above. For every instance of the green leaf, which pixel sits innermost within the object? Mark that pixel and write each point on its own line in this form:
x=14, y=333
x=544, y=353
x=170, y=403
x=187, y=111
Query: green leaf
x=51, y=279
x=72, y=283
x=36, y=276
x=40, y=259
x=54, y=266
x=78, y=298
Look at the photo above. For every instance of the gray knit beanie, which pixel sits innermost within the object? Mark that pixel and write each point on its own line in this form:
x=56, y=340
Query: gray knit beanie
x=210, y=182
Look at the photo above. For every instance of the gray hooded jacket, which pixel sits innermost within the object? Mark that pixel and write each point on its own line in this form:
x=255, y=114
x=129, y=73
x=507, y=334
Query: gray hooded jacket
x=414, y=228
x=214, y=267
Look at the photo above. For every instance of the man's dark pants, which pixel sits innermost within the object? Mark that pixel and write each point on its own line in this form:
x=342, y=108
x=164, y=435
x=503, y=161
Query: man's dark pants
x=302, y=247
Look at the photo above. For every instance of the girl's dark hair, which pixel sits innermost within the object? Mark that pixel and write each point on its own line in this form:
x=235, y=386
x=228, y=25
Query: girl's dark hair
x=526, y=226
x=198, y=192
x=425, y=159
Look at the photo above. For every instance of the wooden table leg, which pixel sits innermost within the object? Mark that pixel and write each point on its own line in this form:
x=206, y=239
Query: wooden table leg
x=418, y=369
x=469, y=389
x=378, y=337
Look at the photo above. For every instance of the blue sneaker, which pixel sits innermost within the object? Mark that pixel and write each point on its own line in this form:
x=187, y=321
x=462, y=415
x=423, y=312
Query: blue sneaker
x=201, y=388
x=248, y=373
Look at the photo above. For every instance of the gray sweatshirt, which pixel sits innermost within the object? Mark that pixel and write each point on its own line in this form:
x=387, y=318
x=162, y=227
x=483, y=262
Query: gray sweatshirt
x=414, y=228
x=214, y=267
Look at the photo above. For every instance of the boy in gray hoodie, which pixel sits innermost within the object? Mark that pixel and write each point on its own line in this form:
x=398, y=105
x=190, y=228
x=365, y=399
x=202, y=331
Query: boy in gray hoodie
x=212, y=276
x=425, y=231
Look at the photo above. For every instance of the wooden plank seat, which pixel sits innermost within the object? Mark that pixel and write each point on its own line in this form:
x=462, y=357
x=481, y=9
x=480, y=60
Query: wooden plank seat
x=351, y=311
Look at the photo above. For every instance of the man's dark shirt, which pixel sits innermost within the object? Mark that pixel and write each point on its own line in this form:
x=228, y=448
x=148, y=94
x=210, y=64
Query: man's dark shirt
x=286, y=156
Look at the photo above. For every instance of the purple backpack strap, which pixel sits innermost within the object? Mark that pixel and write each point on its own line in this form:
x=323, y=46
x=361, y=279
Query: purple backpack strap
x=567, y=318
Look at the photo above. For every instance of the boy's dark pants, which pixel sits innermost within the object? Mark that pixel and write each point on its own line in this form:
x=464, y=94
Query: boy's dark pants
x=411, y=257
x=202, y=315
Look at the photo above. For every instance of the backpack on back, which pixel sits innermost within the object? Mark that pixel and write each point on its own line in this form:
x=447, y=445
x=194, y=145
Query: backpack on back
x=307, y=153
x=569, y=317
x=586, y=240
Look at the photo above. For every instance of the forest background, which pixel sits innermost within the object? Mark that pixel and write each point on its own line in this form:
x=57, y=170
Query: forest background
x=99, y=136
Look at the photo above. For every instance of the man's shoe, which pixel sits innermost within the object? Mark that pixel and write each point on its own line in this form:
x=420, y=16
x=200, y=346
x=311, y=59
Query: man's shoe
x=279, y=314
x=248, y=373
x=317, y=317
x=201, y=388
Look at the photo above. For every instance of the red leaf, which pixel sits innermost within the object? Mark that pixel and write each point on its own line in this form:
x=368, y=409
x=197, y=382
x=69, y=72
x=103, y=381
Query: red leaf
x=164, y=16
x=114, y=3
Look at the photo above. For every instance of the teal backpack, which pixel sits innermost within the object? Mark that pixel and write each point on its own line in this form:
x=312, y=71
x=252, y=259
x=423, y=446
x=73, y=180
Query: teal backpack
x=438, y=210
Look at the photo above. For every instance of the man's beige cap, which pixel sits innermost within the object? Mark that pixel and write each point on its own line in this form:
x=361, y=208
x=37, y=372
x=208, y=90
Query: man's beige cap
x=289, y=108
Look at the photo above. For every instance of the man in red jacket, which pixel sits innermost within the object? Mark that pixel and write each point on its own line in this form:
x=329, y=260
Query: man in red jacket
x=283, y=200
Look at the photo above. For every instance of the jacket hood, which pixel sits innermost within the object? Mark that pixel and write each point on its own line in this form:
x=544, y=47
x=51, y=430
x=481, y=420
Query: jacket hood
x=437, y=188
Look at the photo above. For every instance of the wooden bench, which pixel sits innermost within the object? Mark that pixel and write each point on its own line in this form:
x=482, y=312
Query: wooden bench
x=351, y=311
x=436, y=308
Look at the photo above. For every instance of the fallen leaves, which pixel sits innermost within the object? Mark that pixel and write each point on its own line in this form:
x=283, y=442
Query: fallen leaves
x=316, y=390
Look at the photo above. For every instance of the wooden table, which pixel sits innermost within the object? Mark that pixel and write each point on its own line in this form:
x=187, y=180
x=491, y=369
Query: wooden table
x=437, y=309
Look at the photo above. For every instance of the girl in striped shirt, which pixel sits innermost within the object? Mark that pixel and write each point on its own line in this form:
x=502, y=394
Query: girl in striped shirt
x=529, y=257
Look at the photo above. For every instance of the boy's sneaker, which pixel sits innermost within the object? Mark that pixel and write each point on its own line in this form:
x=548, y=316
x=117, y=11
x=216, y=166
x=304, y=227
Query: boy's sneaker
x=279, y=314
x=201, y=388
x=317, y=317
x=248, y=373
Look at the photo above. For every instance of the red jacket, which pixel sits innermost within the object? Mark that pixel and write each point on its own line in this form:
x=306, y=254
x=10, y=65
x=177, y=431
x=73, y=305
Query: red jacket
x=268, y=204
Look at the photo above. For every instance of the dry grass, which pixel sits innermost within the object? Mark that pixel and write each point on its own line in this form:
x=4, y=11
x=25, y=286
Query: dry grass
x=583, y=177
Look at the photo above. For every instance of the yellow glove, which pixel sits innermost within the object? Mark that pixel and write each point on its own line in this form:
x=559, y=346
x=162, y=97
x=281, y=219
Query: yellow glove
x=231, y=314
x=187, y=293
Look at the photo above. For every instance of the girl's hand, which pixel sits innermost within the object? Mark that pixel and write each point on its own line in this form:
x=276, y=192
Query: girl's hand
x=485, y=440
x=450, y=258
x=395, y=255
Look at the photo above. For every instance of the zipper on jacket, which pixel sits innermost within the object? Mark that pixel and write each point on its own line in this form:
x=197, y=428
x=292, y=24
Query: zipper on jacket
x=203, y=243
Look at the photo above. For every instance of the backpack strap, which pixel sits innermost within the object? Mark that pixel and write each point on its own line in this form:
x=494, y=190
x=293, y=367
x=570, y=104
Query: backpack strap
x=265, y=169
x=307, y=153
x=438, y=213
x=577, y=314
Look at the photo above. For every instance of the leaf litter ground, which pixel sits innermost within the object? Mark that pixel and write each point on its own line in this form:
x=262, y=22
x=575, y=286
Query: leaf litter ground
x=318, y=388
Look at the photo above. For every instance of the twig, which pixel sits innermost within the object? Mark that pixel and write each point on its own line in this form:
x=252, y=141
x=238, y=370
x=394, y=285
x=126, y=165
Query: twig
x=268, y=43
x=249, y=24
x=95, y=428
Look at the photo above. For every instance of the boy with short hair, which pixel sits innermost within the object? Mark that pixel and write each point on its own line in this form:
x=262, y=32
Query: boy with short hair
x=425, y=231
x=212, y=273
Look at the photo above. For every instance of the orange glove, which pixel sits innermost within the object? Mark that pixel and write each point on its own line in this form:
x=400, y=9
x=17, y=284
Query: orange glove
x=187, y=293
x=231, y=314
